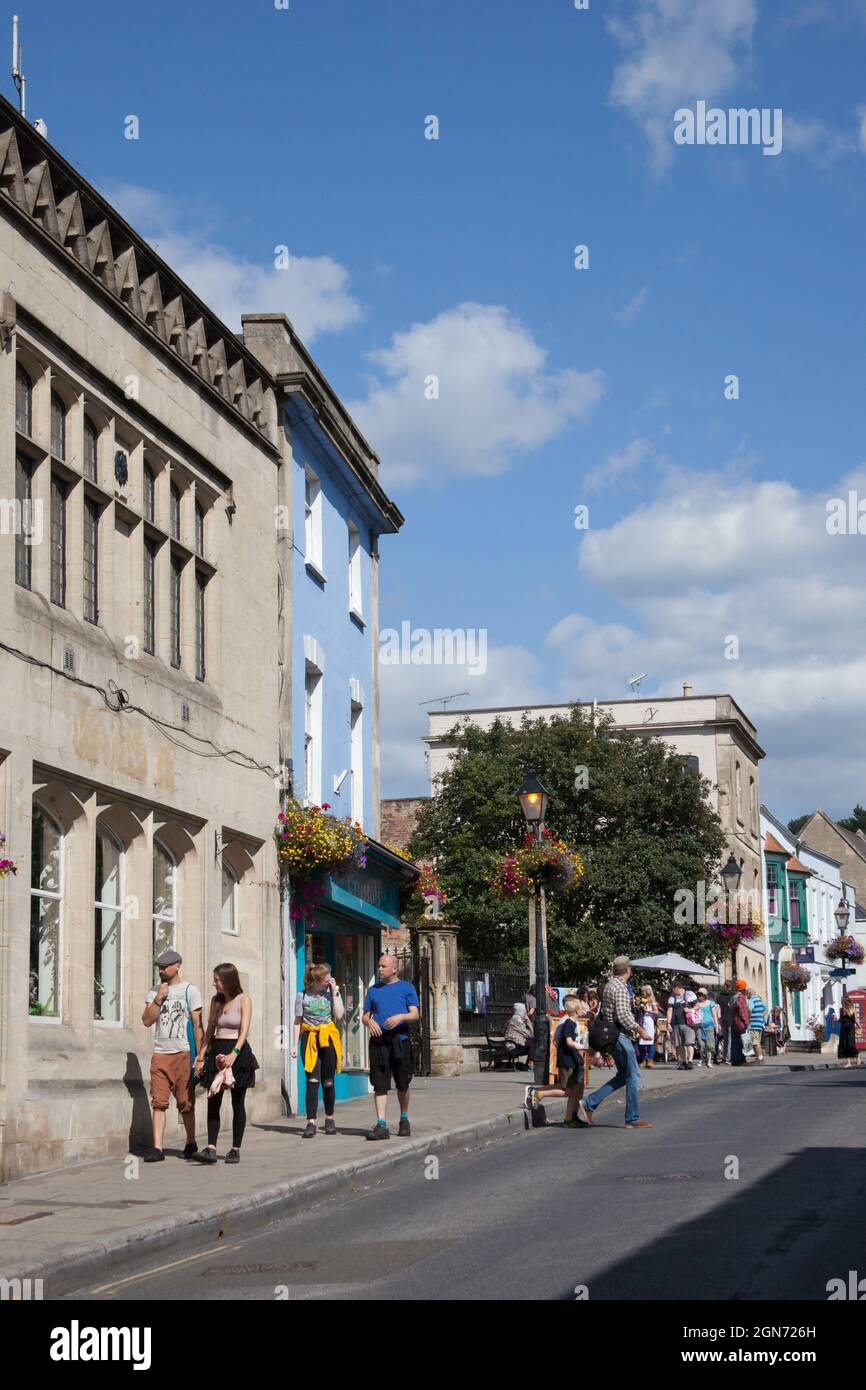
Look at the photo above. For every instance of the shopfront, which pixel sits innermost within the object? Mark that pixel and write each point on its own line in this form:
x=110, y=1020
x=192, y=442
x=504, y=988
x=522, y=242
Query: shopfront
x=355, y=907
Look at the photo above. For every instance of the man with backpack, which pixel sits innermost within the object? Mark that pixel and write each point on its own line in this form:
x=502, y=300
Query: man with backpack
x=175, y=1009
x=616, y=1031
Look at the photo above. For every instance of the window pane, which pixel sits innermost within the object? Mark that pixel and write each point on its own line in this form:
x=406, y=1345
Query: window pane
x=163, y=882
x=229, y=921
x=199, y=627
x=45, y=847
x=352, y=968
x=90, y=450
x=175, y=512
x=23, y=520
x=149, y=596
x=23, y=402
x=149, y=493
x=44, y=955
x=58, y=541
x=108, y=853
x=58, y=426
x=175, y=613
x=91, y=561
x=199, y=529
x=107, y=966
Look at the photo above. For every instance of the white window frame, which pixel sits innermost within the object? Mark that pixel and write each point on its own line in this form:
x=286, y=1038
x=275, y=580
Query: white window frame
x=356, y=595
x=356, y=761
x=118, y=907
x=313, y=520
x=155, y=916
x=313, y=725
x=57, y=897
x=235, y=929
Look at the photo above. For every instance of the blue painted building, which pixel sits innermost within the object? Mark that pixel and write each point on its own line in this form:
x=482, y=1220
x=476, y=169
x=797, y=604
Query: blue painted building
x=334, y=512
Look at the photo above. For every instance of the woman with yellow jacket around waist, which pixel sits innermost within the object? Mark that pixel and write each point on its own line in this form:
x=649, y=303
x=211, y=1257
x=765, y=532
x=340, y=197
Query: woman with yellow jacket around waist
x=318, y=1010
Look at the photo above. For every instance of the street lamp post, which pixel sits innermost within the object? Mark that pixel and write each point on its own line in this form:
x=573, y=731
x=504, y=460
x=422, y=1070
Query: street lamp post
x=842, y=915
x=731, y=875
x=534, y=798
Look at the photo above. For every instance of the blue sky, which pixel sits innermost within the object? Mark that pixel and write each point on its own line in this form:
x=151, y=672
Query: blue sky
x=261, y=127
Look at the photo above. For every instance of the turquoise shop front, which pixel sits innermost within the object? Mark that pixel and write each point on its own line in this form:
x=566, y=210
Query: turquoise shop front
x=347, y=933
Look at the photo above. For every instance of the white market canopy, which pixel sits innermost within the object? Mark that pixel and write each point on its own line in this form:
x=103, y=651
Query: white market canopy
x=672, y=964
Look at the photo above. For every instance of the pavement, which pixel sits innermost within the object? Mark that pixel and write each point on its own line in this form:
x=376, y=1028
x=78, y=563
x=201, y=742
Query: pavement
x=90, y=1219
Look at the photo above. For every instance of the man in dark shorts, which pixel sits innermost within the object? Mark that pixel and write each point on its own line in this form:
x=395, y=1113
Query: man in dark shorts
x=389, y=1008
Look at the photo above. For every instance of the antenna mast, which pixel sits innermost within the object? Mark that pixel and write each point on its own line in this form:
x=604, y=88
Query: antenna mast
x=17, y=75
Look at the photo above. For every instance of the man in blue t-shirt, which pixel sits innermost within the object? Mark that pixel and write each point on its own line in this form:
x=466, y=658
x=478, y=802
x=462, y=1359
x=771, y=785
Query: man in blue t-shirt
x=389, y=1008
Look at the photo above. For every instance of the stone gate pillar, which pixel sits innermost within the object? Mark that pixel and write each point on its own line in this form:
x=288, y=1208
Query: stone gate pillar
x=439, y=944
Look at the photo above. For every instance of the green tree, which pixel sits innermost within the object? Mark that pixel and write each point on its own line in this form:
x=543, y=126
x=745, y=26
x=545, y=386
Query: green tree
x=642, y=824
x=796, y=825
x=856, y=820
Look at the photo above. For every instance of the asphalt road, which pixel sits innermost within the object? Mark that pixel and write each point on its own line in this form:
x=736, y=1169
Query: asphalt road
x=749, y=1187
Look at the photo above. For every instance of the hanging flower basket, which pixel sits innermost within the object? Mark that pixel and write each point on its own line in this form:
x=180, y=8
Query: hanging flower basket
x=732, y=934
x=794, y=977
x=551, y=864
x=424, y=899
x=847, y=946
x=309, y=843
x=7, y=866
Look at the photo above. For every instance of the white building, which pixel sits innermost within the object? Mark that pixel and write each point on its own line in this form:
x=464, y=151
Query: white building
x=802, y=889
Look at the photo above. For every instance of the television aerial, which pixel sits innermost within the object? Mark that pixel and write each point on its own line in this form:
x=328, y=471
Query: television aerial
x=634, y=682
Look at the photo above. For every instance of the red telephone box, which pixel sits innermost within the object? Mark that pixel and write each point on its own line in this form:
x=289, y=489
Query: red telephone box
x=858, y=999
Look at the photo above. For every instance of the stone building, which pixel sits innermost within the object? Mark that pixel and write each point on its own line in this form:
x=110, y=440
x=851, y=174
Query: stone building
x=711, y=731
x=148, y=662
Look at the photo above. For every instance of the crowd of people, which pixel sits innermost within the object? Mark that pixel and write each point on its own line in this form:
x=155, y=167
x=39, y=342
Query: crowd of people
x=217, y=1055
x=621, y=1029
x=631, y=1029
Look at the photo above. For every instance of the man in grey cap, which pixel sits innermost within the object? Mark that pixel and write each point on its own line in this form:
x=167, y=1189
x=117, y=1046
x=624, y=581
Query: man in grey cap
x=175, y=1008
x=624, y=1031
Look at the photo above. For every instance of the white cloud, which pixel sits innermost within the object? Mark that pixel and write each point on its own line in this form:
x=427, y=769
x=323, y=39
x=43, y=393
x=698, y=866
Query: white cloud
x=633, y=308
x=496, y=395
x=678, y=51
x=312, y=291
x=716, y=557
x=621, y=464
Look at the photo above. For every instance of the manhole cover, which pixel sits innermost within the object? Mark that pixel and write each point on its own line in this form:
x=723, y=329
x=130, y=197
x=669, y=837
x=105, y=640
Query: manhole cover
x=262, y=1269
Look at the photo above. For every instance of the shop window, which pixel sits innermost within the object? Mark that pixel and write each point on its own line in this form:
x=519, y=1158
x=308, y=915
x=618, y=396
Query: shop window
x=350, y=956
x=108, y=922
x=46, y=914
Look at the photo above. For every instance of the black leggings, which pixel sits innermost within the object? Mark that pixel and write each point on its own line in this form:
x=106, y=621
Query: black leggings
x=239, y=1115
x=325, y=1070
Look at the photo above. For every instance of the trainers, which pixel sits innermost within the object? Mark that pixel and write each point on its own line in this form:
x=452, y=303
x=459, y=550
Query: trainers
x=681, y=1066
x=379, y=1132
x=310, y=1131
x=688, y=1066
x=529, y=1098
x=207, y=1155
x=155, y=1156
x=189, y=1150
x=584, y=1112
x=640, y=1124
x=404, y=1129
x=330, y=1127
x=233, y=1156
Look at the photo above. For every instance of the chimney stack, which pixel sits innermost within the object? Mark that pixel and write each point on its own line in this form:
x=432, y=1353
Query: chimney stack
x=687, y=688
